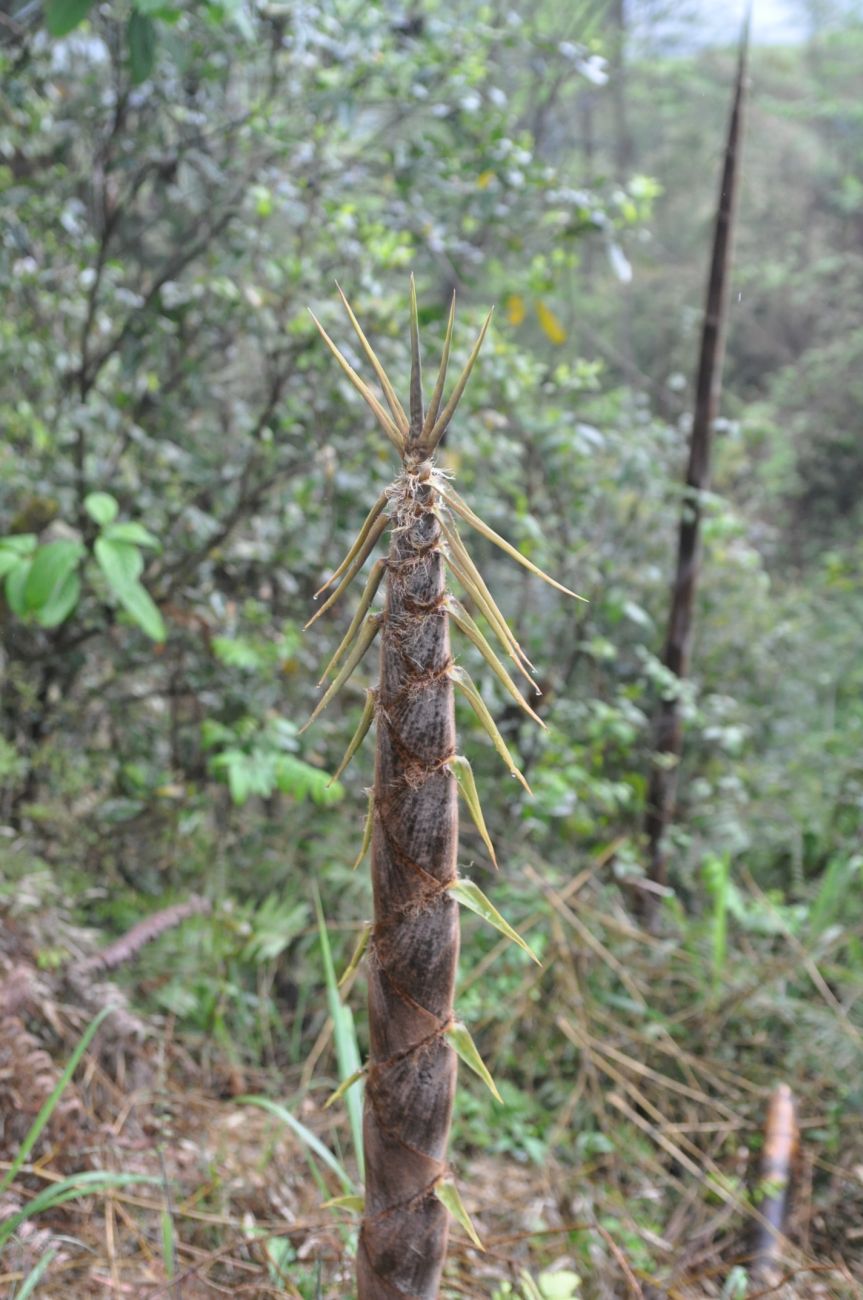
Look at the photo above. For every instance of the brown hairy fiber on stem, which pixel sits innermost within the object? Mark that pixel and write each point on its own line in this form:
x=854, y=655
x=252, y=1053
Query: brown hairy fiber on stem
x=668, y=745
x=413, y=822
x=414, y=949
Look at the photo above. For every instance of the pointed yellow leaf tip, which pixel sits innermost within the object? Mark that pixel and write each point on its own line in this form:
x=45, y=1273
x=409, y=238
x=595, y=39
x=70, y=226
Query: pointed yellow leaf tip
x=389, y=392
x=355, y=1204
x=344, y=1087
x=386, y=423
x=463, y=773
x=443, y=420
x=416, y=398
x=434, y=404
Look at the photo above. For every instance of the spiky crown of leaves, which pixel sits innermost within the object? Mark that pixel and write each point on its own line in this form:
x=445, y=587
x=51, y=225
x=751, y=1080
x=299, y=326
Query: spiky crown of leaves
x=416, y=439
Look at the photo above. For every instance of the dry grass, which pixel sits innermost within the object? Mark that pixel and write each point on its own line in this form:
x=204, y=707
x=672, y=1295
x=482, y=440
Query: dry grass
x=679, y=1086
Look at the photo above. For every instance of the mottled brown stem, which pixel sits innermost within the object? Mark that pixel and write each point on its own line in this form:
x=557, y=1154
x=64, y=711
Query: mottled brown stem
x=668, y=740
x=415, y=941
x=781, y=1138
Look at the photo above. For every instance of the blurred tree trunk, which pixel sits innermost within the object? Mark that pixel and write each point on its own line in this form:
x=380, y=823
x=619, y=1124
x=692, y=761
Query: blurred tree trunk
x=668, y=744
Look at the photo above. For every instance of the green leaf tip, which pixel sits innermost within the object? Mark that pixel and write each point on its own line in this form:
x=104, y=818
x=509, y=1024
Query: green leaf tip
x=368, y=827
x=463, y=682
x=471, y=896
x=449, y=1196
x=369, y=631
x=466, y=1048
x=359, y=735
x=357, y=954
x=461, y=507
x=344, y=1086
x=463, y=773
x=389, y=392
x=354, y=1204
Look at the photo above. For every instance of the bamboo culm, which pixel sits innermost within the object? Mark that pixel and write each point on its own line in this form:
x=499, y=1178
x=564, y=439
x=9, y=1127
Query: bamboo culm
x=412, y=954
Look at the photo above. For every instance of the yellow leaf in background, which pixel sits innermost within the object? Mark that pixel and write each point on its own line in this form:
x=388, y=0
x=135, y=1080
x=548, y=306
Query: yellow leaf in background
x=551, y=326
x=484, y=180
x=515, y=309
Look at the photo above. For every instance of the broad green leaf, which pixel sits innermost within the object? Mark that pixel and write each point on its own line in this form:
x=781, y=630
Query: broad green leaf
x=51, y=566
x=467, y=1050
x=448, y=1195
x=63, y=16
x=133, y=533
x=61, y=603
x=121, y=565
x=14, y=550
x=142, y=37
x=470, y=895
x=101, y=507
x=16, y=581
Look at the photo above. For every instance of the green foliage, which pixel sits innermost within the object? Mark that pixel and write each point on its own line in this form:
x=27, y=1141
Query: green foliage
x=181, y=469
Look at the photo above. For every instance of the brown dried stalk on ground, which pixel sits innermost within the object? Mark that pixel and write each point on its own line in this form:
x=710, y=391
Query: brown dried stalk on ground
x=413, y=822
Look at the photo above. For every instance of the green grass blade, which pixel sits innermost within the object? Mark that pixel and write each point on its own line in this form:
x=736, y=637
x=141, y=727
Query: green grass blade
x=344, y=1032
x=34, y=1277
x=306, y=1136
x=89, y=1183
x=49, y=1106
